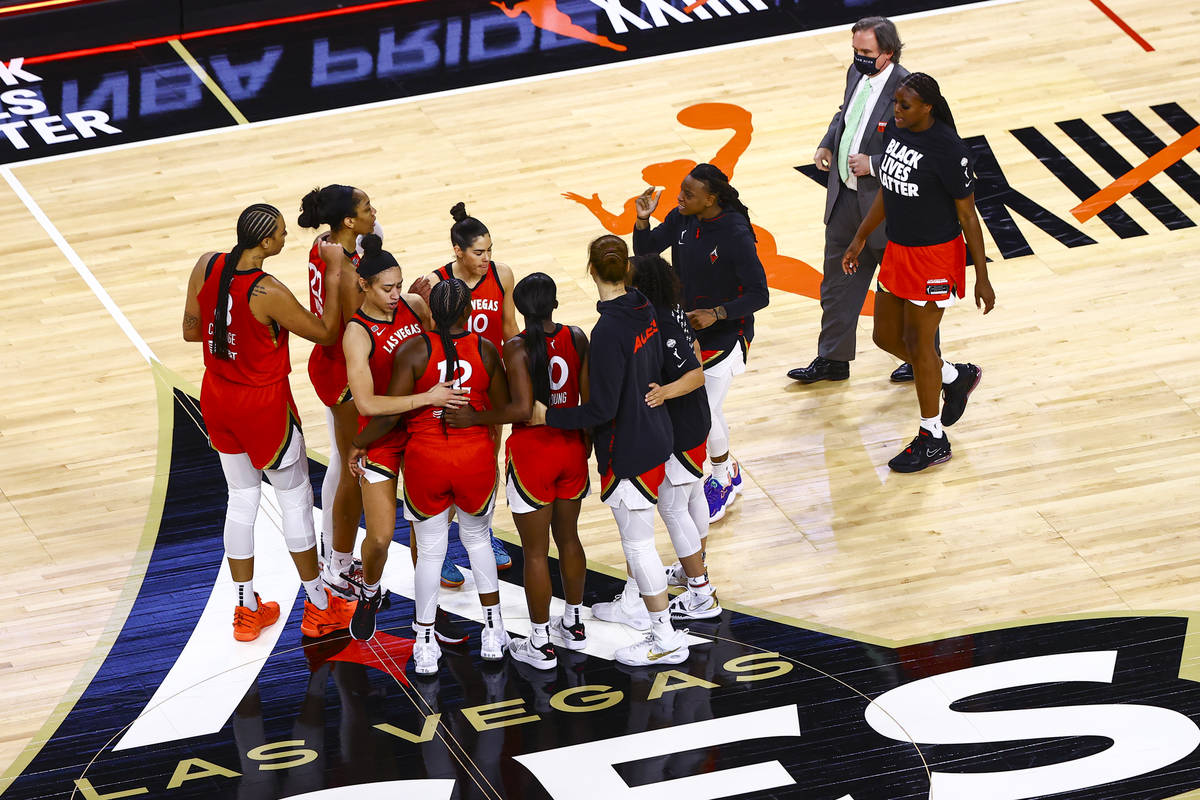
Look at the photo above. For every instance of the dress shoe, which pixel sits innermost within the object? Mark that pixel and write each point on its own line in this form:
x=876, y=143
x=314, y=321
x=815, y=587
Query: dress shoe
x=902, y=374
x=821, y=369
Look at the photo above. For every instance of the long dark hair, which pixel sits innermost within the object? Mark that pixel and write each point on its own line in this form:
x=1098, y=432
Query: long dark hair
x=718, y=183
x=255, y=224
x=535, y=296
x=447, y=302
x=465, y=229
x=654, y=277
x=926, y=88
x=328, y=206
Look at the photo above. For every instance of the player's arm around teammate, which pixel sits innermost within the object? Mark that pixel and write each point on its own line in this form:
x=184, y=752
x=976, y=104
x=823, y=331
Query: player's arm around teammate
x=244, y=317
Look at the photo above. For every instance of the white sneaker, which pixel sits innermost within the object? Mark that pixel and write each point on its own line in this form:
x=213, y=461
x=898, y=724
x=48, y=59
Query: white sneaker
x=694, y=605
x=493, y=641
x=524, y=650
x=652, y=653
x=573, y=638
x=633, y=614
x=426, y=652
x=676, y=576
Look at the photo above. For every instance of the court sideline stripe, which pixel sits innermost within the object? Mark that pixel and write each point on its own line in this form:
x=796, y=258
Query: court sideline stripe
x=1108, y=12
x=77, y=262
x=416, y=98
x=208, y=81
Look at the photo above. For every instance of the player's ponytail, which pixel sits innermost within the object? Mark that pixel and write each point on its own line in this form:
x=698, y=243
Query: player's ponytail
x=466, y=229
x=447, y=302
x=654, y=277
x=255, y=224
x=926, y=88
x=328, y=206
x=536, y=296
x=718, y=184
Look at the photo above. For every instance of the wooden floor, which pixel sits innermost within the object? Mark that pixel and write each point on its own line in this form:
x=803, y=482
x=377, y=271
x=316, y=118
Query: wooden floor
x=1075, y=484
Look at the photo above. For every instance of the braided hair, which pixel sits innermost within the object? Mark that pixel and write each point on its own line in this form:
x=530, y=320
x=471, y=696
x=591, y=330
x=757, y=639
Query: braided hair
x=255, y=224
x=328, y=206
x=926, y=88
x=465, y=229
x=535, y=296
x=609, y=257
x=718, y=184
x=447, y=302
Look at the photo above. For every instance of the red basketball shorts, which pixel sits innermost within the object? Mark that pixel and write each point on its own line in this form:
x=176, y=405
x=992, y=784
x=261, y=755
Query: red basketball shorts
x=543, y=465
x=923, y=273
x=328, y=376
x=385, y=456
x=255, y=420
x=441, y=471
x=640, y=491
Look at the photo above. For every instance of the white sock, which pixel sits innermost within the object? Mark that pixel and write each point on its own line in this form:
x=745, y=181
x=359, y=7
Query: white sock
x=721, y=472
x=371, y=589
x=660, y=626
x=630, y=592
x=315, y=591
x=341, y=562
x=245, y=595
x=700, y=585
x=571, y=614
x=539, y=633
x=492, y=617
x=420, y=628
x=949, y=372
x=933, y=425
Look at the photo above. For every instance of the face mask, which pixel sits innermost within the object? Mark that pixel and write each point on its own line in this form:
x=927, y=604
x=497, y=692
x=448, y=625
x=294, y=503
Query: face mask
x=865, y=64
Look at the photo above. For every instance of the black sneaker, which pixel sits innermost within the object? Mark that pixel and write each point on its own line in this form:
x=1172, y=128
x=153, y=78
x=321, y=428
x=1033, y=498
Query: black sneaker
x=526, y=651
x=447, y=630
x=362, y=624
x=924, y=451
x=955, y=394
x=902, y=374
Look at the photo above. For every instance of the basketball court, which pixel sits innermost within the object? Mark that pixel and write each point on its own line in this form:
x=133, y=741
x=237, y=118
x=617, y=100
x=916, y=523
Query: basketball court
x=1012, y=624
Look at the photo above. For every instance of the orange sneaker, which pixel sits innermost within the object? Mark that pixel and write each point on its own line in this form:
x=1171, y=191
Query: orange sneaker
x=247, y=624
x=317, y=622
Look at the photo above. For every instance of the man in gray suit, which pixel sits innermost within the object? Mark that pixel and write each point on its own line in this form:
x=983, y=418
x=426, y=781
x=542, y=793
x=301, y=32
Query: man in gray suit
x=850, y=152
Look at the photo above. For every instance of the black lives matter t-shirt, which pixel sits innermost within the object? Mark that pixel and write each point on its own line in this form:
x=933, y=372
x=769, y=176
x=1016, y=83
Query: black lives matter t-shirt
x=922, y=174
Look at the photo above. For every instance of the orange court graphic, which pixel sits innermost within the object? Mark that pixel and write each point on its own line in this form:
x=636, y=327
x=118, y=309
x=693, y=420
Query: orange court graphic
x=546, y=15
x=783, y=272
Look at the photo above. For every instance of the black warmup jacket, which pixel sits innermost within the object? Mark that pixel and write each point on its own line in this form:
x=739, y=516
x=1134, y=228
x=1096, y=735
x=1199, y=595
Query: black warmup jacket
x=691, y=418
x=718, y=266
x=625, y=356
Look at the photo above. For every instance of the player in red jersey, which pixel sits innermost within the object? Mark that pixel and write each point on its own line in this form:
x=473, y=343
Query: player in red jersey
x=386, y=319
x=547, y=467
x=493, y=316
x=349, y=214
x=243, y=316
x=446, y=467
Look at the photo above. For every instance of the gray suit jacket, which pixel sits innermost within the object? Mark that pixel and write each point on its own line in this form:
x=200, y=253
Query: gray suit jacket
x=872, y=145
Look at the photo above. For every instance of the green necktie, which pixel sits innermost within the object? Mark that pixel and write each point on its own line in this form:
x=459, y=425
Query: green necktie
x=852, y=119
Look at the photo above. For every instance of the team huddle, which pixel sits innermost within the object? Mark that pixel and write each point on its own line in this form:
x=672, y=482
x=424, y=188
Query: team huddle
x=419, y=384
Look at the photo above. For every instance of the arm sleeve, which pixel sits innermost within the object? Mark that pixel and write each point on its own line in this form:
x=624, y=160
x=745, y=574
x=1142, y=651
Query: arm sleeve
x=655, y=240
x=606, y=371
x=751, y=276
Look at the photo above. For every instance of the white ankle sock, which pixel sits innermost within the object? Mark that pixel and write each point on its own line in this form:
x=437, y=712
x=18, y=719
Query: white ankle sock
x=933, y=425
x=571, y=614
x=371, y=589
x=245, y=594
x=721, y=472
x=539, y=633
x=492, y=617
x=314, y=590
x=340, y=562
x=949, y=372
x=700, y=585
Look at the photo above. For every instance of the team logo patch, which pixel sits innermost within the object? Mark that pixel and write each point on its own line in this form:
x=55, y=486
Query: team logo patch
x=712, y=257
x=1091, y=709
x=937, y=287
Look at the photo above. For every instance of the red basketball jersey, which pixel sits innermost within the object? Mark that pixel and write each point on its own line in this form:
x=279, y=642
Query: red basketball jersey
x=316, y=300
x=258, y=353
x=471, y=375
x=487, y=304
x=385, y=338
x=564, y=365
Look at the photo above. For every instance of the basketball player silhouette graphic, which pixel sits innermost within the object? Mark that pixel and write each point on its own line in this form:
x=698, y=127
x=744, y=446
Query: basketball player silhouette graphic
x=783, y=272
x=546, y=15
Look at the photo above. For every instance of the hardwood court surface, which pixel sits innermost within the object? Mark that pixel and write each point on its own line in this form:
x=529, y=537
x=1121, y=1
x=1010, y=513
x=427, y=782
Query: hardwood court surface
x=1075, y=483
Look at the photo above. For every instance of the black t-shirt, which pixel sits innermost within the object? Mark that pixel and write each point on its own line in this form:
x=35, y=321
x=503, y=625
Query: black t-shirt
x=922, y=174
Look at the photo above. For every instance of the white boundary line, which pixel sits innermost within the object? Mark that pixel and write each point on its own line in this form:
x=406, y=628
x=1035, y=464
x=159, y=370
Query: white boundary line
x=80, y=267
x=499, y=84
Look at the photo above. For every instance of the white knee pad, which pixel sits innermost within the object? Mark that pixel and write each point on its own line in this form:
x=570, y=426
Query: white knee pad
x=475, y=534
x=637, y=540
x=716, y=386
x=698, y=508
x=432, y=536
x=673, y=508
x=329, y=487
x=295, y=497
x=245, y=486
